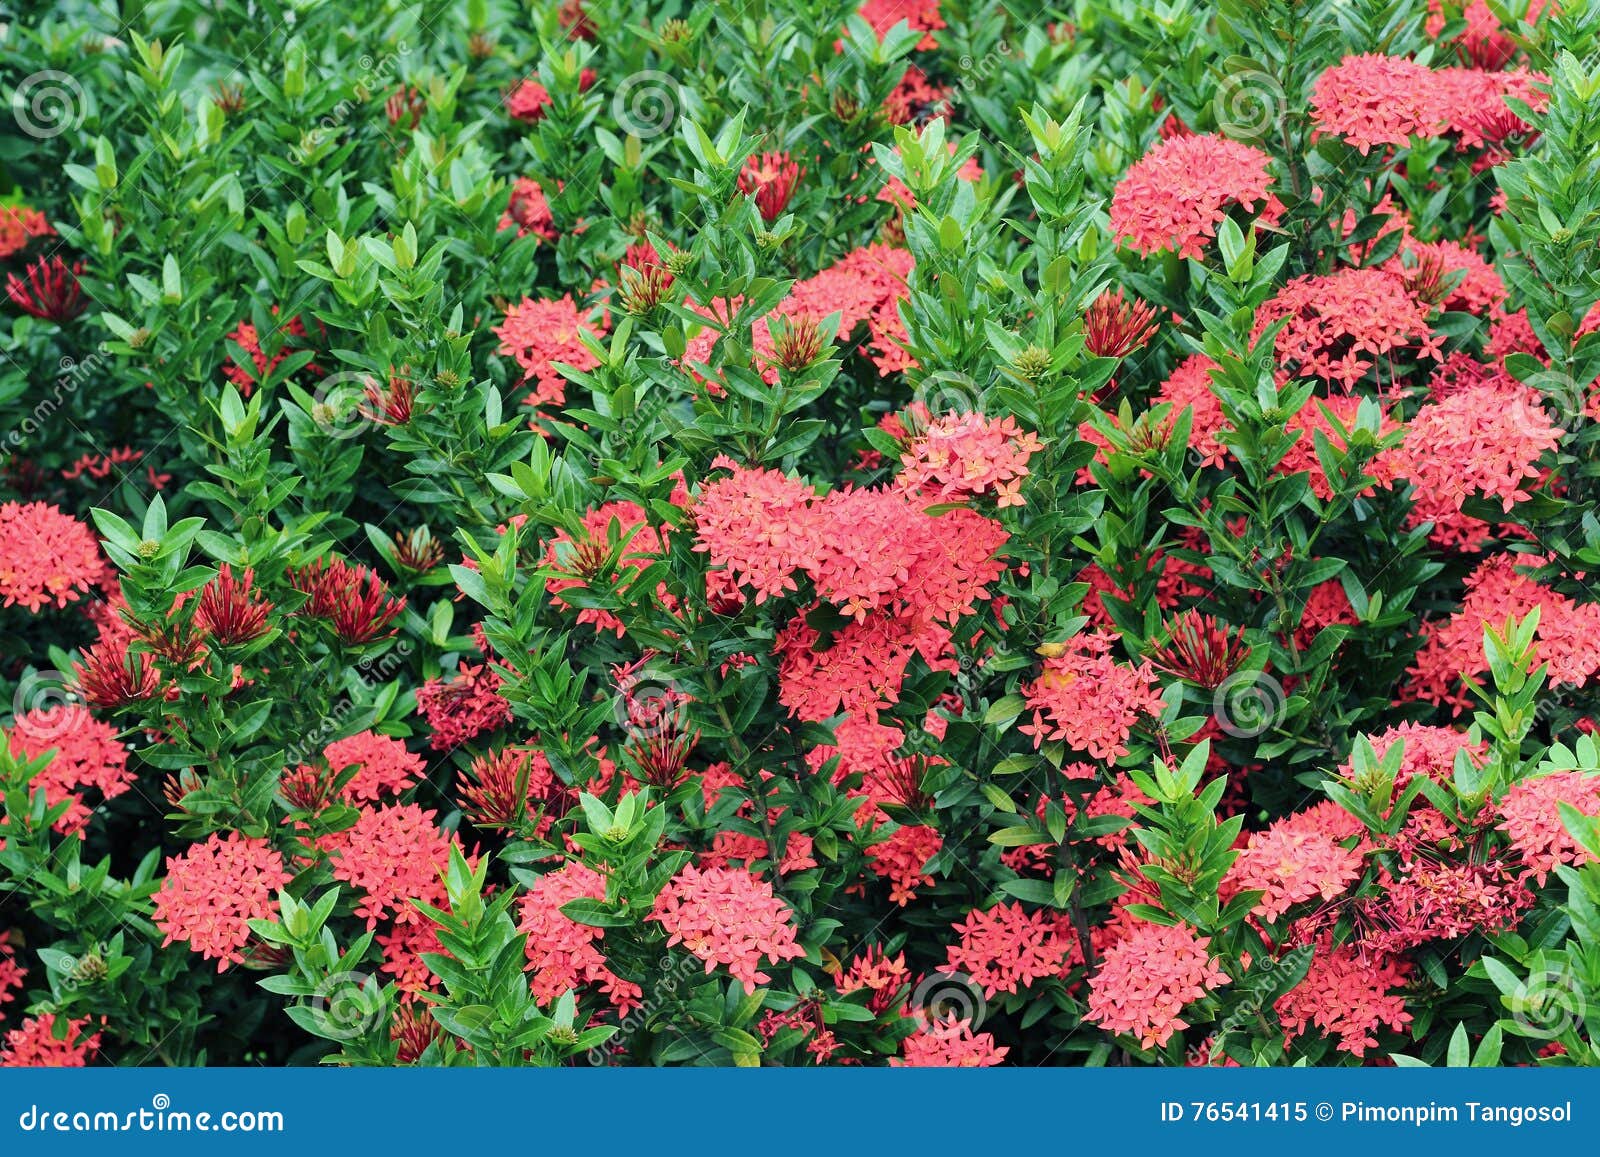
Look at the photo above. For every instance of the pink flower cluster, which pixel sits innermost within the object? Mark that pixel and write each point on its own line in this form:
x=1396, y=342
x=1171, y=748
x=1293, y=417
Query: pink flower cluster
x=727, y=917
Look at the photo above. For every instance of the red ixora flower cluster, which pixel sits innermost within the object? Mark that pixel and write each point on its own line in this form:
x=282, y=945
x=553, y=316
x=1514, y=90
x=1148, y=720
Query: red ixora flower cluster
x=20, y=226
x=1147, y=977
x=48, y=289
x=464, y=707
x=1177, y=194
x=542, y=335
x=562, y=953
x=1342, y=324
x=770, y=178
x=727, y=917
x=1567, y=639
x=87, y=755
x=1376, y=100
x=214, y=889
x=865, y=287
x=528, y=211
x=1345, y=997
x=384, y=765
x=1530, y=815
x=1373, y=101
x=393, y=854
x=35, y=1044
x=46, y=556
x=1291, y=862
x=1006, y=948
x=956, y=457
x=893, y=576
x=12, y=974
x=352, y=598
x=1089, y=700
x=1481, y=440
x=902, y=857
x=950, y=1043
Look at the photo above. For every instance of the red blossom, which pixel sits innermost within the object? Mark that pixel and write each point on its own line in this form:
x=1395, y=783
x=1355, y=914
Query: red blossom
x=728, y=917
x=214, y=889
x=1201, y=649
x=46, y=556
x=352, y=598
x=49, y=290
x=229, y=612
x=1177, y=194
x=1148, y=977
x=34, y=1044
x=1114, y=327
x=770, y=178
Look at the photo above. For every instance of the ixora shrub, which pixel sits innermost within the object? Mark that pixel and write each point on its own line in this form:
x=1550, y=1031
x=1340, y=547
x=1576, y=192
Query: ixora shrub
x=619, y=534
